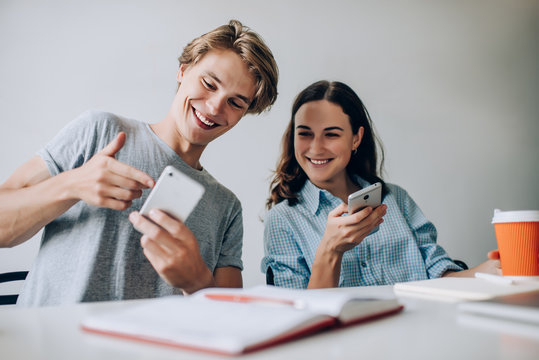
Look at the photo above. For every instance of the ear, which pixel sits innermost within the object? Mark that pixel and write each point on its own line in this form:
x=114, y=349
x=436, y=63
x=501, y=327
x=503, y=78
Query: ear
x=181, y=72
x=356, y=139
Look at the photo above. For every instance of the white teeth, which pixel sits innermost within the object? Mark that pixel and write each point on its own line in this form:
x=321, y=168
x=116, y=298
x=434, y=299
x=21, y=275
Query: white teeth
x=203, y=119
x=319, y=162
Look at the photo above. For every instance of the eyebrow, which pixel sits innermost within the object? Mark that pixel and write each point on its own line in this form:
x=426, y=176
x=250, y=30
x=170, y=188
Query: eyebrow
x=326, y=129
x=217, y=80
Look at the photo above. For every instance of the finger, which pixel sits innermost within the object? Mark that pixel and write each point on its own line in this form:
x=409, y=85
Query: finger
x=145, y=226
x=118, y=193
x=155, y=254
x=132, y=174
x=498, y=266
x=114, y=146
x=155, y=232
x=174, y=226
x=113, y=204
x=381, y=210
x=153, y=251
x=361, y=215
x=123, y=182
x=371, y=214
x=181, y=236
x=339, y=210
x=493, y=255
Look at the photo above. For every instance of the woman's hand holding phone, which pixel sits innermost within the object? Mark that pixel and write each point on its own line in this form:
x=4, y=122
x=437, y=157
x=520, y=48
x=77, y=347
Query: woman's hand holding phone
x=342, y=233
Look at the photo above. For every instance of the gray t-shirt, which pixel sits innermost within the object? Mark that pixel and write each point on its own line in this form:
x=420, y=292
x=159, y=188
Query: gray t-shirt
x=94, y=254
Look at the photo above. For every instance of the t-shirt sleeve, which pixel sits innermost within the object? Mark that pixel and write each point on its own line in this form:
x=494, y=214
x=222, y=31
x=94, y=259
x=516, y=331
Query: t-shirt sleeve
x=282, y=253
x=74, y=145
x=437, y=261
x=231, y=248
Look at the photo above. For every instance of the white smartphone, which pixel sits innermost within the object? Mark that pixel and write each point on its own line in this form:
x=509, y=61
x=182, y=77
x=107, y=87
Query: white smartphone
x=174, y=193
x=369, y=196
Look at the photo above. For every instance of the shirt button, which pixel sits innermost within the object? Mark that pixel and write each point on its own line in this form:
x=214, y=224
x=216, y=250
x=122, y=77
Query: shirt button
x=363, y=264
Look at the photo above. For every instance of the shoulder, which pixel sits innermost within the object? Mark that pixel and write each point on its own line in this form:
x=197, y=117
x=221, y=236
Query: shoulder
x=99, y=128
x=105, y=120
x=97, y=119
x=281, y=213
x=401, y=199
x=396, y=191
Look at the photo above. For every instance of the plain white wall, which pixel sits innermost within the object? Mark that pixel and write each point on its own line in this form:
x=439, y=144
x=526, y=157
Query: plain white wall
x=452, y=87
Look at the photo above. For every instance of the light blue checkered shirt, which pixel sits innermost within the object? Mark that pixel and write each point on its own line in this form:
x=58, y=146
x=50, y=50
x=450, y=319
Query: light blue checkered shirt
x=403, y=249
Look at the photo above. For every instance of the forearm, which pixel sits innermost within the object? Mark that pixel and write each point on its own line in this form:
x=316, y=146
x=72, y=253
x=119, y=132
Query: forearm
x=489, y=266
x=326, y=270
x=226, y=277
x=205, y=280
x=24, y=211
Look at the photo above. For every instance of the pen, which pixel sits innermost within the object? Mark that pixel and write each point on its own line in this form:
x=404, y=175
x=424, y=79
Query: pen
x=494, y=278
x=250, y=299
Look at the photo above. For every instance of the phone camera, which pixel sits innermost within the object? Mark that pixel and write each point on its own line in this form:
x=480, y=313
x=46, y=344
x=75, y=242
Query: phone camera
x=169, y=174
x=366, y=197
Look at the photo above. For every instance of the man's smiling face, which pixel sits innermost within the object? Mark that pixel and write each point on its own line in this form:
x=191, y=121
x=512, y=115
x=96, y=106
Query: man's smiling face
x=213, y=96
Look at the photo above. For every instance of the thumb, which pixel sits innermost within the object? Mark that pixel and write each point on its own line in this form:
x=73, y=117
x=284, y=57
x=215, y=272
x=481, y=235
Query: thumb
x=114, y=146
x=338, y=211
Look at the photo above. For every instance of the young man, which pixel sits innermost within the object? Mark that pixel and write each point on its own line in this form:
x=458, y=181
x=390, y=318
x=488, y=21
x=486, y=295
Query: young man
x=85, y=186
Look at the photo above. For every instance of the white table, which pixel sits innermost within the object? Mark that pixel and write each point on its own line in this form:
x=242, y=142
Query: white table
x=426, y=329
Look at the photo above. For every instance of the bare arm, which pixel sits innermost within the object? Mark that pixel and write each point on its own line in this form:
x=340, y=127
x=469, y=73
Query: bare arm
x=491, y=266
x=30, y=198
x=228, y=277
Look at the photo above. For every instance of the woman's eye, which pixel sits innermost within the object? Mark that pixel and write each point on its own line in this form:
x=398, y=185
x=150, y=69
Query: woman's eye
x=332, y=135
x=304, y=133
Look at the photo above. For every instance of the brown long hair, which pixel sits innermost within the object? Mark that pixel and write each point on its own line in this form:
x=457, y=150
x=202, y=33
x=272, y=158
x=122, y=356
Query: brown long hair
x=252, y=50
x=289, y=177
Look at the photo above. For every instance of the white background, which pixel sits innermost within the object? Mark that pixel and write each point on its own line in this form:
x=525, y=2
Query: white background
x=452, y=87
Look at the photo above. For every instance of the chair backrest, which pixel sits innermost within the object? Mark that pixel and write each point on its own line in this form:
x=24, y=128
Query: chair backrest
x=269, y=276
x=7, y=277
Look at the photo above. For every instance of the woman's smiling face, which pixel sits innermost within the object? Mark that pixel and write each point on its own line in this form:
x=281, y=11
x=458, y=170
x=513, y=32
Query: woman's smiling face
x=323, y=142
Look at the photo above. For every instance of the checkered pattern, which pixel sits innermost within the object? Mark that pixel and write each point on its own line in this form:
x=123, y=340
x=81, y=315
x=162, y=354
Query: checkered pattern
x=403, y=249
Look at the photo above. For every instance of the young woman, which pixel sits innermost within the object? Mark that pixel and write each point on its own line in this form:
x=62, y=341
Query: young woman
x=85, y=186
x=330, y=151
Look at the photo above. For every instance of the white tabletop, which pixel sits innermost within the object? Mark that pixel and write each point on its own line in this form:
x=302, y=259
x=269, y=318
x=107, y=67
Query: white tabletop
x=426, y=329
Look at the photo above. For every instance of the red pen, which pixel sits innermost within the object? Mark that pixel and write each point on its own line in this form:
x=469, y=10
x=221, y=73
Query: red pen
x=248, y=299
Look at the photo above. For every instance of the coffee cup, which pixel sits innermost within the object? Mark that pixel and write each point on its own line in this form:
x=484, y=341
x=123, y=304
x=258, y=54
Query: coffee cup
x=517, y=235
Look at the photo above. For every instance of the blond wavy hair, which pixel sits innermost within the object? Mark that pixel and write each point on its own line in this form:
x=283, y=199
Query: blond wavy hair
x=252, y=50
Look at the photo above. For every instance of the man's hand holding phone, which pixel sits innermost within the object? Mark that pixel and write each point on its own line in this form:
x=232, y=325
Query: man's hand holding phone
x=169, y=245
x=172, y=249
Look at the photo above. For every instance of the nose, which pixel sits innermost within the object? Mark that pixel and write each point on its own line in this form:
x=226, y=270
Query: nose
x=317, y=145
x=215, y=104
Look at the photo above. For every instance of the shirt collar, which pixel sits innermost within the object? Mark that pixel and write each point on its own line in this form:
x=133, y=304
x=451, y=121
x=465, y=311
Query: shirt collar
x=314, y=196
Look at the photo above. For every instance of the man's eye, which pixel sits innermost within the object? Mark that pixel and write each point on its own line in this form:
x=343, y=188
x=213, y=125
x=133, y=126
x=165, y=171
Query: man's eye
x=208, y=85
x=235, y=104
